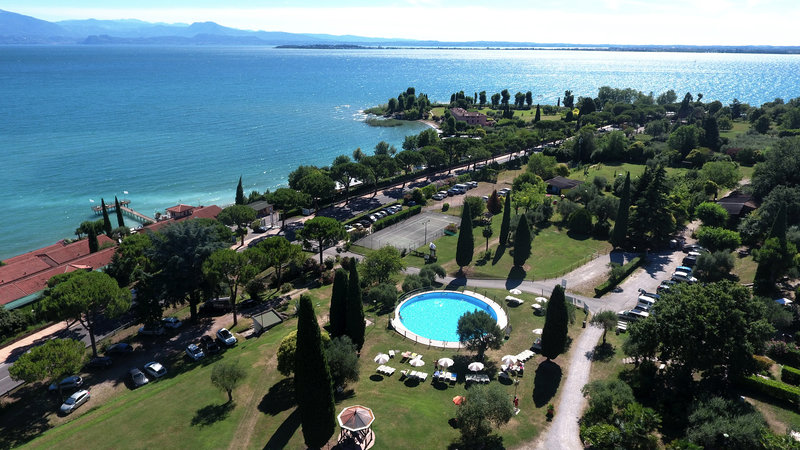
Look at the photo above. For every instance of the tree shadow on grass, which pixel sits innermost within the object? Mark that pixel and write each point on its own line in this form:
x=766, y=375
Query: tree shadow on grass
x=27, y=415
x=516, y=273
x=280, y=397
x=601, y=352
x=546, y=382
x=577, y=236
x=210, y=414
x=280, y=439
x=501, y=250
x=490, y=442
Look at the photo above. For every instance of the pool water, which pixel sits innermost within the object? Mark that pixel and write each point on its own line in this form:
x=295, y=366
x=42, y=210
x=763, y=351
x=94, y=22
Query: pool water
x=435, y=315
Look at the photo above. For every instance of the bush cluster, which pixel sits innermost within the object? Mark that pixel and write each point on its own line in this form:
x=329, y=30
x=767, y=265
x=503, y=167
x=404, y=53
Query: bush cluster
x=790, y=375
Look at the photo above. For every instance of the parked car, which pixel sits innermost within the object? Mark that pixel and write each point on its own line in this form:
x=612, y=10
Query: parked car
x=632, y=314
x=155, y=370
x=684, y=269
x=472, y=184
x=138, y=378
x=665, y=286
x=683, y=277
x=67, y=383
x=438, y=196
x=120, y=348
x=693, y=248
x=689, y=260
x=642, y=292
x=247, y=304
x=226, y=337
x=209, y=344
x=194, y=352
x=100, y=362
x=74, y=401
x=485, y=198
x=151, y=330
x=171, y=322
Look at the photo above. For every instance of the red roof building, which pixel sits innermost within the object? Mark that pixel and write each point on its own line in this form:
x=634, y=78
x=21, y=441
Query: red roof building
x=472, y=118
x=27, y=274
x=183, y=212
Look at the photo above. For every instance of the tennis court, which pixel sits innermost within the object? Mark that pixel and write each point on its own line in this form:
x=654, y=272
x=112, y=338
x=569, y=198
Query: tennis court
x=411, y=233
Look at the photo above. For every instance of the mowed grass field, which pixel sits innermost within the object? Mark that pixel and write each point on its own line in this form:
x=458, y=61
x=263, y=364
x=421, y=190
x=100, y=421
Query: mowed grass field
x=186, y=411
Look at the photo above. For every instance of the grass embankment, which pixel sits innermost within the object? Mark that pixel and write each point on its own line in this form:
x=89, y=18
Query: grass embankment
x=185, y=410
x=744, y=268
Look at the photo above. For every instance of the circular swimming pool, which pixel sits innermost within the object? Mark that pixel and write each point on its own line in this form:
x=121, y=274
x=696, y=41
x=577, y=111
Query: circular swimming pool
x=432, y=317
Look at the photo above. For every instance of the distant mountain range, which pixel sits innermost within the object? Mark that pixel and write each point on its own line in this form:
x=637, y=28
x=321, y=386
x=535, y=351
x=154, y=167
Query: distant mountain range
x=18, y=29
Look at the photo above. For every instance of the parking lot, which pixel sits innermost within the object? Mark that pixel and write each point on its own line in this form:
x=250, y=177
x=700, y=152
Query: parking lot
x=411, y=233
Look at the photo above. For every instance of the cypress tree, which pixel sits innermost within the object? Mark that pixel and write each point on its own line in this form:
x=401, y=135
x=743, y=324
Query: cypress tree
x=506, y=223
x=466, y=241
x=522, y=242
x=778, y=229
x=312, y=379
x=538, y=114
x=355, y=325
x=106, y=220
x=240, y=200
x=93, y=244
x=338, y=313
x=554, y=333
x=620, y=231
x=120, y=220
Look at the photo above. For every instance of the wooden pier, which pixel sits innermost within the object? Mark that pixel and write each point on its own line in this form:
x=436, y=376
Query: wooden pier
x=126, y=210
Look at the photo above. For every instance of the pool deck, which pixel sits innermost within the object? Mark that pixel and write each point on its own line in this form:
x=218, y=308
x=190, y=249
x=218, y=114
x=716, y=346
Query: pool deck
x=397, y=324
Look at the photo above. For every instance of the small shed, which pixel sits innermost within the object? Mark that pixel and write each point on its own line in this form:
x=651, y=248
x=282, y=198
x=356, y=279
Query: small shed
x=558, y=184
x=265, y=320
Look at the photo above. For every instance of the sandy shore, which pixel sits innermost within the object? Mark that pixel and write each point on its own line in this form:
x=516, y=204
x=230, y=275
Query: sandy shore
x=429, y=123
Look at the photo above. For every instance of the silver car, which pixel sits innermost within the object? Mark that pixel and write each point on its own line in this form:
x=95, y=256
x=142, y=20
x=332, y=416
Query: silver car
x=138, y=378
x=75, y=400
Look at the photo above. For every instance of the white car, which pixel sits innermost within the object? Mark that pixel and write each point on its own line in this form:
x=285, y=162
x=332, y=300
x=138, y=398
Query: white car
x=75, y=400
x=155, y=370
x=171, y=322
x=226, y=337
x=633, y=314
x=683, y=277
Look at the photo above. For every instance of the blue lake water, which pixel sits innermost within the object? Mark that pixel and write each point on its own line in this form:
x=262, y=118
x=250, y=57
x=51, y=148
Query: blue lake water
x=180, y=125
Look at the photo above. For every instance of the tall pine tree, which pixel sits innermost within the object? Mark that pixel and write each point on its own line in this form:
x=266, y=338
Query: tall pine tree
x=312, y=379
x=620, y=231
x=466, y=241
x=338, y=314
x=538, y=116
x=554, y=333
x=94, y=245
x=522, y=242
x=120, y=220
x=240, y=200
x=505, y=225
x=106, y=220
x=355, y=308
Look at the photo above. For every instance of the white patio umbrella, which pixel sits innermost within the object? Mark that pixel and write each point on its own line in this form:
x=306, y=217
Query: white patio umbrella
x=515, y=291
x=475, y=366
x=417, y=362
x=537, y=331
x=382, y=358
x=445, y=363
x=509, y=360
x=541, y=299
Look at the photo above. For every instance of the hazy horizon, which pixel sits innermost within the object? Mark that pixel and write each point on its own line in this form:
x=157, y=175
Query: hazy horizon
x=614, y=22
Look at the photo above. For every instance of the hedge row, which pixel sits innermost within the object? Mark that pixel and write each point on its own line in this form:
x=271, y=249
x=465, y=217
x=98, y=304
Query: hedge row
x=775, y=389
x=600, y=290
x=790, y=375
x=394, y=218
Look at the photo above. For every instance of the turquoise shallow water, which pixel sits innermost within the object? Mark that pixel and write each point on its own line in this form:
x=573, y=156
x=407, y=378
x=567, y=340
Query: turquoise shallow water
x=435, y=315
x=181, y=124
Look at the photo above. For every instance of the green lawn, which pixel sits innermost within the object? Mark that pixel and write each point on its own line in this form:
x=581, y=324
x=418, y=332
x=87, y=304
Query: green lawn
x=739, y=127
x=553, y=253
x=609, y=170
x=184, y=410
x=745, y=268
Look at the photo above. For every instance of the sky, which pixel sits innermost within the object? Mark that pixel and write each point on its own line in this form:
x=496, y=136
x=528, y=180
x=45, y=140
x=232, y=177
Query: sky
x=660, y=22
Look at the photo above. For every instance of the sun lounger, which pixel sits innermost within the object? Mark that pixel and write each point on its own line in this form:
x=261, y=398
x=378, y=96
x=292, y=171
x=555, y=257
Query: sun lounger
x=388, y=371
x=422, y=376
x=406, y=356
x=453, y=377
x=403, y=375
x=483, y=378
x=391, y=353
x=514, y=300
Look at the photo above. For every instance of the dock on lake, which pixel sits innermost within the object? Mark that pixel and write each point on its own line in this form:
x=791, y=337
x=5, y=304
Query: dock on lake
x=124, y=206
